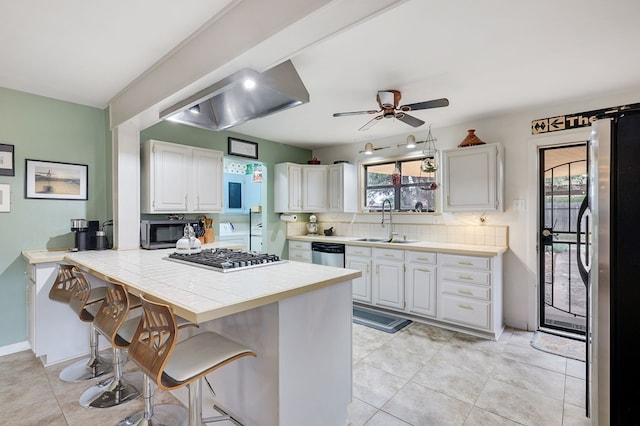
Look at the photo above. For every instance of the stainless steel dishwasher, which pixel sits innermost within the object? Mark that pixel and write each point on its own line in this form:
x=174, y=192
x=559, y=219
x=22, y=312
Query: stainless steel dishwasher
x=329, y=254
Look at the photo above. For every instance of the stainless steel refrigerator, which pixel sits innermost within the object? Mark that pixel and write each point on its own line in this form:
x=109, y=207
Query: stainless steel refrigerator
x=610, y=264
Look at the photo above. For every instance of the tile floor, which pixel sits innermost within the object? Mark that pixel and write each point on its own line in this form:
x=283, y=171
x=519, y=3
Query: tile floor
x=425, y=375
x=421, y=375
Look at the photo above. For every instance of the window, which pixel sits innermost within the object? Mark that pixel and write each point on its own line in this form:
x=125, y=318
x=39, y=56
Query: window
x=413, y=191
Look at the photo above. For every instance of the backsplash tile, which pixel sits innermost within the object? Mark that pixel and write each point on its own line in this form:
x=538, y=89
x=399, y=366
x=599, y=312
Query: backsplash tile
x=485, y=235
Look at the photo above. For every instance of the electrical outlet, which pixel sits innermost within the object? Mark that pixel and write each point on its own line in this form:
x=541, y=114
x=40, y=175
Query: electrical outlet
x=518, y=204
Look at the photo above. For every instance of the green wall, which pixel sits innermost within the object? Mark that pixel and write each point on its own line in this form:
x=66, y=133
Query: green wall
x=44, y=129
x=47, y=129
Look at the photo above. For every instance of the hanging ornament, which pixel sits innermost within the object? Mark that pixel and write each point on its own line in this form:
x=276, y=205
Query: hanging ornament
x=395, y=176
x=429, y=152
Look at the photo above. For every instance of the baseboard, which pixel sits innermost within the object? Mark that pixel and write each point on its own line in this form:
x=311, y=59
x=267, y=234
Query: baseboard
x=15, y=347
x=520, y=325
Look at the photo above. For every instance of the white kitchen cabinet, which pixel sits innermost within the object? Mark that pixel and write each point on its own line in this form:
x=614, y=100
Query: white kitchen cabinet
x=180, y=179
x=287, y=188
x=388, y=278
x=473, y=179
x=470, y=291
x=420, y=283
x=315, y=188
x=300, y=251
x=55, y=332
x=343, y=188
x=359, y=258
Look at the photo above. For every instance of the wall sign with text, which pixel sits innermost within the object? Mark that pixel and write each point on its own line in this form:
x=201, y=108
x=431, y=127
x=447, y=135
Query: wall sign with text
x=574, y=121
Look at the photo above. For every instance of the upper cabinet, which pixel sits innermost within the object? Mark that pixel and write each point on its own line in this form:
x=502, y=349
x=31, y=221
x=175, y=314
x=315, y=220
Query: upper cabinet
x=180, y=179
x=473, y=179
x=315, y=188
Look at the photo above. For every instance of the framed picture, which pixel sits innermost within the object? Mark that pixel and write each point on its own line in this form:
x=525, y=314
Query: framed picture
x=242, y=148
x=5, y=198
x=7, y=161
x=58, y=181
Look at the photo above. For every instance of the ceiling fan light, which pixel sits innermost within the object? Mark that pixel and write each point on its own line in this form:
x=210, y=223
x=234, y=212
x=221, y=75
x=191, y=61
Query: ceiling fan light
x=411, y=142
x=368, y=148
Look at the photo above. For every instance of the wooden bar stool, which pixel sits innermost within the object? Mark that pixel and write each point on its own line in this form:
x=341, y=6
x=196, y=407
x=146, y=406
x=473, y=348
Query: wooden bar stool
x=111, y=321
x=172, y=365
x=85, y=302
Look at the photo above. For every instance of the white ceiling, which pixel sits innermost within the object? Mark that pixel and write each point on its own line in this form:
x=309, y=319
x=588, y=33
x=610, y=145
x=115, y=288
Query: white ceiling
x=487, y=57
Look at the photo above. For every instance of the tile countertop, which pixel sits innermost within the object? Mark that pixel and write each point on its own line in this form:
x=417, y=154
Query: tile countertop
x=199, y=294
x=451, y=248
x=44, y=256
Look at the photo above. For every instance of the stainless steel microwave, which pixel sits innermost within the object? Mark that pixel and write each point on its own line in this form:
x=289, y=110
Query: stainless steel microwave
x=158, y=234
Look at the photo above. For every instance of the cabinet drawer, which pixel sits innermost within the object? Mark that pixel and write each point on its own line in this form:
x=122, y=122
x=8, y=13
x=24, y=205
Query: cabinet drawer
x=476, y=292
x=469, y=276
x=388, y=254
x=458, y=261
x=300, y=255
x=358, y=251
x=469, y=312
x=300, y=245
x=420, y=257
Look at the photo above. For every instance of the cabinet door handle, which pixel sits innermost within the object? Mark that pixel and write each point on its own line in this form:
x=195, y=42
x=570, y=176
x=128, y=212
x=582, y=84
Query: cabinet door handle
x=464, y=291
x=423, y=270
x=389, y=255
x=357, y=252
x=422, y=258
x=367, y=269
x=377, y=269
x=465, y=277
x=465, y=262
x=465, y=306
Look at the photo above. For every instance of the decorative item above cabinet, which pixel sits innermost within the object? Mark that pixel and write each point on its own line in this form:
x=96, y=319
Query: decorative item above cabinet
x=473, y=179
x=179, y=178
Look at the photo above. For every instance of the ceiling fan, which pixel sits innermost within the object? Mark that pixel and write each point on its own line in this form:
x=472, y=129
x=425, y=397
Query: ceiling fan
x=388, y=101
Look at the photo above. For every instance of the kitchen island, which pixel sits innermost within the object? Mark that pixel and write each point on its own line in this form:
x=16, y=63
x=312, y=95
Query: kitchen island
x=295, y=316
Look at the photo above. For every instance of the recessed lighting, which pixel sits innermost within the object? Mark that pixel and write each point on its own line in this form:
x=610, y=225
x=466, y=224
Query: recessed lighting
x=249, y=83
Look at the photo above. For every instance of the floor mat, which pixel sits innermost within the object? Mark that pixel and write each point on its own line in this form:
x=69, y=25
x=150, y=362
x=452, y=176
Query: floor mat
x=379, y=320
x=557, y=345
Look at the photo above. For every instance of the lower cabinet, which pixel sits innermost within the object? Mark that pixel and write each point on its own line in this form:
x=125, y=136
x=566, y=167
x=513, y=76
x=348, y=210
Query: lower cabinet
x=359, y=258
x=470, y=291
x=420, y=283
x=300, y=251
x=388, y=278
x=55, y=332
x=459, y=290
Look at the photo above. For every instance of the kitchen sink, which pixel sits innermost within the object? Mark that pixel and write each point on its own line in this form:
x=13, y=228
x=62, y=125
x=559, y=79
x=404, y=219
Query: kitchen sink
x=384, y=240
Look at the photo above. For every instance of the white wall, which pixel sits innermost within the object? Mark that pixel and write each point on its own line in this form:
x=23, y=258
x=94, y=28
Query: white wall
x=513, y=131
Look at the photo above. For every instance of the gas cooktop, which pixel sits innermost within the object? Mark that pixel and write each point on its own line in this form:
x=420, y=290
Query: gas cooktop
x=226, y=260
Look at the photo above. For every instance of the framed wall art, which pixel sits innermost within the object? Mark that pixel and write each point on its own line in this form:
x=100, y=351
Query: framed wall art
x=5, y=198
x=57, y=181
x=7, y=160
x=242, y=148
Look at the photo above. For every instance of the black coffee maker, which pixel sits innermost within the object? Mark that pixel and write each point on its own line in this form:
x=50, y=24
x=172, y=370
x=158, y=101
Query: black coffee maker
x=85, y=231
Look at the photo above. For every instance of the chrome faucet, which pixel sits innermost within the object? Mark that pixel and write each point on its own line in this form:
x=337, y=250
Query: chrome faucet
x=391, y=233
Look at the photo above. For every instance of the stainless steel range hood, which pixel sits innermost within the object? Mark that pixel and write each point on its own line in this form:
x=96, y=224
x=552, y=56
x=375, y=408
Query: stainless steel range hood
x=229, y=102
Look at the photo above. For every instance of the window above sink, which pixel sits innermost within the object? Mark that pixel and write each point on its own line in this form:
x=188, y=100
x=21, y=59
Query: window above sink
x=404, y=182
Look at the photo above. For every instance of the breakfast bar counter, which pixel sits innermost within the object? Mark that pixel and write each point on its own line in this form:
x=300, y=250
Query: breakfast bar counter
x=295, y=316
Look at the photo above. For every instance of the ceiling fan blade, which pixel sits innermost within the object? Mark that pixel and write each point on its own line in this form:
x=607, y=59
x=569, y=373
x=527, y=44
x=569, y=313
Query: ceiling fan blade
x=371, y=123
x=345, y=114
x=410, y=120
x=436, y=103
